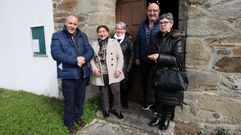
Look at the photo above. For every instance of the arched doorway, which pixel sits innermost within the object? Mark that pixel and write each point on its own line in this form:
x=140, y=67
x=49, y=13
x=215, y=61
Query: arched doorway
x=133, y=12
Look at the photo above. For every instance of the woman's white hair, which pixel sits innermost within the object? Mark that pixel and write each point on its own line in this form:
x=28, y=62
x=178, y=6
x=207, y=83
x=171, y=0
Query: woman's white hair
x=120, y=25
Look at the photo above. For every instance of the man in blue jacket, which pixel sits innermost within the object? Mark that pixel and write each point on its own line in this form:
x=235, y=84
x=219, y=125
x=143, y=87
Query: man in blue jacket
x=72, y=51
x=146, y=32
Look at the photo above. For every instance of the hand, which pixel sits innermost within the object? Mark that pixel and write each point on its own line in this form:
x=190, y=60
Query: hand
x=137, y=61
x=153, y=57
x=117, y=74
x=80, y=61
x=97, y=72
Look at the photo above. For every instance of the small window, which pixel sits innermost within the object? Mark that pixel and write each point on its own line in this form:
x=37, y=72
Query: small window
x=38, y=41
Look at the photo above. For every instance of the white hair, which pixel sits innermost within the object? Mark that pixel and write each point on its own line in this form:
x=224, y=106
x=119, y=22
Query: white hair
x=120, y=25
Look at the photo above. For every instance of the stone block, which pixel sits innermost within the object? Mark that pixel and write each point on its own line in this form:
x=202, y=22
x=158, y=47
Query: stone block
x=67, y=5
x=237, y=51
x=197, y=56
x=90, y=32
x=196, y=12
x=205, y=27
x=211, y=106
x=101, y=18
x=93, y=6
x=196, y=2
x=229, y=65
x=224, y=52
x=224, y=40
x=226, y=11
x=230, y=86
x=184, y=115
x=182, y=128
x=61, y=15
x=202, y=80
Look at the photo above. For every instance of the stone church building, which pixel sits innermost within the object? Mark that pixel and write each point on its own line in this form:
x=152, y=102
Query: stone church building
x=213, y=53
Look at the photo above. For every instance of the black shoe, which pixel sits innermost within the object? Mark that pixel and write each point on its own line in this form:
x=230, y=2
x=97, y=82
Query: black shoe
x=164, y=123
x=105, y=114
x=125, y=106
x=81, y=123
x=118, y=114
x=156, y=121
x=72, y=130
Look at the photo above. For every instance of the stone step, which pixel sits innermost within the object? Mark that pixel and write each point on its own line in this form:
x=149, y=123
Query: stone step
x=135, y=123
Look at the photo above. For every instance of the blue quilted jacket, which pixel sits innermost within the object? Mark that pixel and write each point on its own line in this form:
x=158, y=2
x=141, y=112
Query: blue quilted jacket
x=140, y=46
x=65, y=53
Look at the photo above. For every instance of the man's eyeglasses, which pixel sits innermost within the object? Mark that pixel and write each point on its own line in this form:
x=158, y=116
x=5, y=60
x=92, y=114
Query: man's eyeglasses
x=165, y=22
x=152, y=11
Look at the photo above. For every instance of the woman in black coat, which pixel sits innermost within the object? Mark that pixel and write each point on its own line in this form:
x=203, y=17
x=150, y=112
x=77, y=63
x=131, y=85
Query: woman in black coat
x=126, y=44
x=167, y=51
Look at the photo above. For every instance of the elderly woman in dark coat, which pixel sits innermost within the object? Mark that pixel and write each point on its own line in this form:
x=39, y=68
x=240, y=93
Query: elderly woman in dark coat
x=126, y=44
x=167, y=50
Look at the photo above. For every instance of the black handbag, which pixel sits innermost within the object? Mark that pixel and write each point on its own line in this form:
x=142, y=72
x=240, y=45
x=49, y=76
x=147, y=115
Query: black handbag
x=171, y=79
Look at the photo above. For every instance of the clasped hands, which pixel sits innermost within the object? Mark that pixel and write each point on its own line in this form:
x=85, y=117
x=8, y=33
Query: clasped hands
x=80, y=61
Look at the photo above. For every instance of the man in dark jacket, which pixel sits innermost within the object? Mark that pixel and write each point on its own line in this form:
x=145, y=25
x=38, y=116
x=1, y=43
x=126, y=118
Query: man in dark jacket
x=72, y=51
x=145, y=34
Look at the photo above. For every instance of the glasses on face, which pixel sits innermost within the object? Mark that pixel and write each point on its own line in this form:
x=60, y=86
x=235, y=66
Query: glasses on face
x=154, y=10
x=165, y=22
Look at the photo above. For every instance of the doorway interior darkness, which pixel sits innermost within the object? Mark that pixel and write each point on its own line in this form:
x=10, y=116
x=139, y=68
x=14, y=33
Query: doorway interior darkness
x=168, y=6
x=133, y=12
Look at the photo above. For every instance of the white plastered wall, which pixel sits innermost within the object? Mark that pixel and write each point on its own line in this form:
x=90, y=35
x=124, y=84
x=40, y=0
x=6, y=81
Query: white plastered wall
x=19, y=69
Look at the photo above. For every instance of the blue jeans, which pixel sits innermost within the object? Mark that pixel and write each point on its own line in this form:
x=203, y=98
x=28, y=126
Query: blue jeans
x=74, y=96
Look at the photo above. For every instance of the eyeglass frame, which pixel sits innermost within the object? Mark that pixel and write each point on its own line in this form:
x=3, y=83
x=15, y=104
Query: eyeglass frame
x=165, y=22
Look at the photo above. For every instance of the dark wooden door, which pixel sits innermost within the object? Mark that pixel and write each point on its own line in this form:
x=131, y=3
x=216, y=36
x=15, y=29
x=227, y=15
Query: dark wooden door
x=132, y=13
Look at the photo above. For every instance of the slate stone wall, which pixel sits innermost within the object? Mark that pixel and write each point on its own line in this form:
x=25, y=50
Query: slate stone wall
x=213, y=58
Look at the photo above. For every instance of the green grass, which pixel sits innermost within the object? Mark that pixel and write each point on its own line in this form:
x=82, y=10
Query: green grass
x=23, y=113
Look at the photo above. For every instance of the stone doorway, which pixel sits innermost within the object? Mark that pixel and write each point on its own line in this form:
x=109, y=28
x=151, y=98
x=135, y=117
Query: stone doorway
x=133, y=12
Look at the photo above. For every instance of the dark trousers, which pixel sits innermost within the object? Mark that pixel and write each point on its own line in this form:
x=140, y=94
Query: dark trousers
x=124, y=89
x=74, y=96
x=145, y=69
x=165, y=110
x=105, y=95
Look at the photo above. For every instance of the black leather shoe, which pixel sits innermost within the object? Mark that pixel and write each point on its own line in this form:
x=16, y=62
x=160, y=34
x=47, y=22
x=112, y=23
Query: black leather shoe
x=125, y=106
x=118, y=114
x=164, y=123
x=105, y=114
x=156, y=121
x=81, y=123
x=72, y=130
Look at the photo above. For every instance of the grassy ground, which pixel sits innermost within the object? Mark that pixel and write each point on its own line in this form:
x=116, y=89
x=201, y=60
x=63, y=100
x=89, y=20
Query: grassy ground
x=23, y=113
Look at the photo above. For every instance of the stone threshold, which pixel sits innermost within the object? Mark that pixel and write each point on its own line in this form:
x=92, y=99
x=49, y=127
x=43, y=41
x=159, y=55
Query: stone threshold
x=135, y=117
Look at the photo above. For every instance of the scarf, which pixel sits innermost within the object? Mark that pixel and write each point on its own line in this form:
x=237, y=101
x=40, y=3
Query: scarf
x=102, y=50
x=120, y=38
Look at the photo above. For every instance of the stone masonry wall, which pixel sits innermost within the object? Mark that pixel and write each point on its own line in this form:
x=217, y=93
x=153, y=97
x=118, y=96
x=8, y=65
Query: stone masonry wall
x=213, y=58
x=91, y=13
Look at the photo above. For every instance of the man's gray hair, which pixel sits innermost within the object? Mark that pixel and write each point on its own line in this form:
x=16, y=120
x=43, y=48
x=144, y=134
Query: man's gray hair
x=66, y=19
x=120, y=25
x=168, y=16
